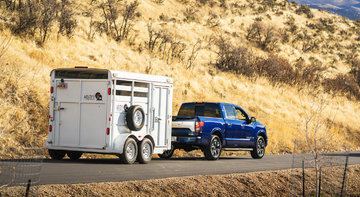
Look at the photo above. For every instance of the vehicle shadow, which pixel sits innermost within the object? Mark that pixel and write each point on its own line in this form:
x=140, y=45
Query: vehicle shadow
x=201, y=158
x=357, y=154
x=118, y=161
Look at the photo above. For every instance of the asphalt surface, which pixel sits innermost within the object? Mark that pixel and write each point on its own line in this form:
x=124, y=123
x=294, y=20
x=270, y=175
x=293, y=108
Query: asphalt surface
x=111, y=170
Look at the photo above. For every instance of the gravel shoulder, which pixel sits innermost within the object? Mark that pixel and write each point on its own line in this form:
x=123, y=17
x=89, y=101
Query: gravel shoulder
x=267, y=183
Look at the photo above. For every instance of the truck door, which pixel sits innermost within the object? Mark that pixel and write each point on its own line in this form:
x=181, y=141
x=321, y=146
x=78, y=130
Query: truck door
x=80, y=113
x=234, y=128
x=160, y=115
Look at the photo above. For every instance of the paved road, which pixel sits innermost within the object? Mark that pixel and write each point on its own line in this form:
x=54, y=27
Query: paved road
x=104, y=170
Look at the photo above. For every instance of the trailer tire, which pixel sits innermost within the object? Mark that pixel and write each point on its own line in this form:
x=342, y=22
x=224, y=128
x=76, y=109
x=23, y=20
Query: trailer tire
x=135, y=118
x=74, y=155
x=167, y=154
x=56, y=154
x=130, y=151
x=146, y=150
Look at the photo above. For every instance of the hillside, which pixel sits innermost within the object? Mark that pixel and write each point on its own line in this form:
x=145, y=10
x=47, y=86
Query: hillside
x=284, y=63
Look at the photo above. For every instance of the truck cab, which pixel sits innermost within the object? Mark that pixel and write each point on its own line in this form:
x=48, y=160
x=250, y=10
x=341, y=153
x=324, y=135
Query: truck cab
x=216, y=127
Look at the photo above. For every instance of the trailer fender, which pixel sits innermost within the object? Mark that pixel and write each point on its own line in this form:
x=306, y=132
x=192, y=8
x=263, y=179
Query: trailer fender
x=120, y=141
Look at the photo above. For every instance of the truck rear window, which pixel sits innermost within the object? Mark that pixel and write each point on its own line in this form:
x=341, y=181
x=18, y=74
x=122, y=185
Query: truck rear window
x=200, y=109
x=81, y=73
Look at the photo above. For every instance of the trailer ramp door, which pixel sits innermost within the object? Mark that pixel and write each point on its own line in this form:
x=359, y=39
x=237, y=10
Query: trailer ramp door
x=80, y=113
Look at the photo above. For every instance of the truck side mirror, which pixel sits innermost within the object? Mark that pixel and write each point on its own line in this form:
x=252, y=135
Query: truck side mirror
x=253, y=119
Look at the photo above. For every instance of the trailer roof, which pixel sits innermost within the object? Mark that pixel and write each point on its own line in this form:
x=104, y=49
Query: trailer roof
x=139, y=76
x=96, y=73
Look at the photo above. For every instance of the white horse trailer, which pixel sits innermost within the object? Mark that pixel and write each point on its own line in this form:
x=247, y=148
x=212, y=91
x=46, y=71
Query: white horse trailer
x=109, y=112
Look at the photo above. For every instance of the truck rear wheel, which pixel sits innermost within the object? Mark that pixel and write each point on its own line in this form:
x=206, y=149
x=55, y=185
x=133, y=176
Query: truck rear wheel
x=56, y=154
x=74, y=155
x=213, y=150
x=135, y=118
x=167, y=154
x=130, y=151
x=259, y=149
x=146, y=150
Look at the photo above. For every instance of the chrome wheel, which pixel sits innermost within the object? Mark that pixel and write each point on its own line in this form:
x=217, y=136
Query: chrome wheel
x=215, y=147
x=131, y=151
x=138, y=117
x=213, y=150
x=261, y=147
x=146, y=151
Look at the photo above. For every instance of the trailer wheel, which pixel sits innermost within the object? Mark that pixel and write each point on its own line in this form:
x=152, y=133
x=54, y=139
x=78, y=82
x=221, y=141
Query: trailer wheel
x=167, y=154
x=130, y=151
x=56, y=154
x=74, y=155
x=146, y=150
x=135, y=118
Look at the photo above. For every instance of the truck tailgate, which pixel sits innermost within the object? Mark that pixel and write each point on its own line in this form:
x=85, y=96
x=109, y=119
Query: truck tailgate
x=184, y=126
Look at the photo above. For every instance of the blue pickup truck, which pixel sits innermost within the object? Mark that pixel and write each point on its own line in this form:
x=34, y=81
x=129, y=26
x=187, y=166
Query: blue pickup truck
x=214, y=127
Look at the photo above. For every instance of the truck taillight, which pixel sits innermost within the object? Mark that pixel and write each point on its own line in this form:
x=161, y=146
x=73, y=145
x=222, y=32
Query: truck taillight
x=198, y=126
x=52, y=90
x=50, y=128
x=107, y=131
x=109, y=91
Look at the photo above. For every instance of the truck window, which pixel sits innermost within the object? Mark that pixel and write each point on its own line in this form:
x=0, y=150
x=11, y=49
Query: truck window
x=187, y=109
x=212, y=110
x=200, y=109
x=241, y=115
x=230, y=112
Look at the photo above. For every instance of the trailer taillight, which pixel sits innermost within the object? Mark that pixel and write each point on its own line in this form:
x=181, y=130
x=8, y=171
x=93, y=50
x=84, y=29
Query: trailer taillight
x=50, y=128
x=109, y=91
x=198, y=126
x=107, y=131
x=52, y=90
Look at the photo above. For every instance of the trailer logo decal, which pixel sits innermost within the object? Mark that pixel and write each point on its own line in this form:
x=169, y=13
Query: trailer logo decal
x=98, y=96
x=89, y=97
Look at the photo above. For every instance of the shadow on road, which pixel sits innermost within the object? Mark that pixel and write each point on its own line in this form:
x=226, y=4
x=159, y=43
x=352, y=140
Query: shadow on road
x=118, y=161
x=343, y=154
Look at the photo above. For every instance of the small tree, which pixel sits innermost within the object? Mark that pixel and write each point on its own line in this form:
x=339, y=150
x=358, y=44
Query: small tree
x=112, y=10
x=67, y=21
x=48, y=15
x=315, y=127
x=266, y=36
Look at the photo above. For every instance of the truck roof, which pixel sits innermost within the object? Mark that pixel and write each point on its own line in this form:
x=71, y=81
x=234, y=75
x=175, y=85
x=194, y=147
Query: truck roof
x=96, y=73
x=210, y=102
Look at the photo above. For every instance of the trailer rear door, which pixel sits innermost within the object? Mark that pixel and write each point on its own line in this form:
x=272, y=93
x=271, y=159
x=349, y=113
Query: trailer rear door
x=80, y=112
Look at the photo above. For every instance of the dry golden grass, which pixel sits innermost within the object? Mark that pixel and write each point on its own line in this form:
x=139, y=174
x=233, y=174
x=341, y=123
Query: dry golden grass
x=25, y=68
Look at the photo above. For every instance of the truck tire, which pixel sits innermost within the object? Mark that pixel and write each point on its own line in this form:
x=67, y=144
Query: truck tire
x=130, y=151
x=167, y=154
x=135, y=118
x=56, y=154
x=146, y=150
x=259, y=149
x=74, y=155
x=213, y=150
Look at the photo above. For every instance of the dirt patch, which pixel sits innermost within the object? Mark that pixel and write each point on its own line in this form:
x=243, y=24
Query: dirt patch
x=269, y=183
